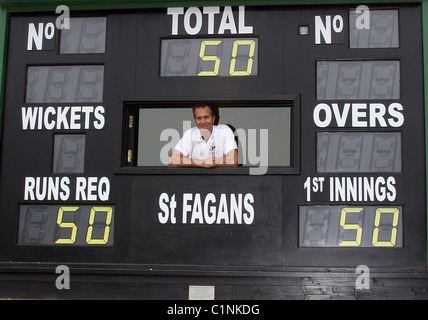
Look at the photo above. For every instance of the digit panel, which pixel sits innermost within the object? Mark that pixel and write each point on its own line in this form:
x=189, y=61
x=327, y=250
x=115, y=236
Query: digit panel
x=358, y=151
x=69, y=153
x=358, y=80
x=383, y=31
x=85, y=35
x=65, y=83
x=209, y=57
x=350, y=226
x=49, y=225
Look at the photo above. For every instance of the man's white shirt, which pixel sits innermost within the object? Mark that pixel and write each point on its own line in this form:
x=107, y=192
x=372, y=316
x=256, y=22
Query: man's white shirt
x=192, y=145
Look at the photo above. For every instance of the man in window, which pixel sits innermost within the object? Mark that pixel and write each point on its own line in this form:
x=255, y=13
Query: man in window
x=206, y=145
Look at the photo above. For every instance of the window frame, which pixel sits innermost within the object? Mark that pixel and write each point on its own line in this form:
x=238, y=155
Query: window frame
x=130, y=134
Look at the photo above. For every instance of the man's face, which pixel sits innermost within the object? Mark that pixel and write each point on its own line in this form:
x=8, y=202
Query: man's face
x=204, y=119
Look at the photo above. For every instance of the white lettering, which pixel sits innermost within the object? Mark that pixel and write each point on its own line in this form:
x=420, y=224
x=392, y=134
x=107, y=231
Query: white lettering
x=163, y=199
x=211, y=12
x=30, y=184
x=186, y=207
x=209, y=211
x=337, y=24
x=360, y=115
x=236, y=209
x=397, y=119
x=193, y=11
x=325, y=30
x=62, y=118
x=243, y=29
x=249, y=215
x=92, y=189
x=229, y=209
x=194, y=20
x=222, y=213
x=175, y=12
x=164, y=217
x=75, y=117
x=227, y=21
x=377, y=114
x=197, y=210
x=34, y=36
x=358, y=112
x=362, y=189
x=46, y=188
x=325, y=108
x=49, y=125
x=321, y=29
x=49, y=30
x=341, y=117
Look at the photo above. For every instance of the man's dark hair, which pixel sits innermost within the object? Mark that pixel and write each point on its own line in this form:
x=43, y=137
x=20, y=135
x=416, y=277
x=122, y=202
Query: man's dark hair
x=214, y=110
x=202, y=105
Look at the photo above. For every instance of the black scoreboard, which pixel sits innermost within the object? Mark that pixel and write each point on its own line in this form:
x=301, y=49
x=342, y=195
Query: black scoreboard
x=326, y=103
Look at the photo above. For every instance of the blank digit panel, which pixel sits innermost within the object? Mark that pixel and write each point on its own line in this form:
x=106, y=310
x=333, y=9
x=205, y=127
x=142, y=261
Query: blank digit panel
x=314, y=226
x=359, y=152
x=358, y=80
x=69, y=153
x=58, y=84
x=382, y=32
x=85, y=35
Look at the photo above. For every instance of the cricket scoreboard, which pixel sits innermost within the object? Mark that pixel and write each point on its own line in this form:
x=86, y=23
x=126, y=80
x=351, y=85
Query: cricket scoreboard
x=327, y=108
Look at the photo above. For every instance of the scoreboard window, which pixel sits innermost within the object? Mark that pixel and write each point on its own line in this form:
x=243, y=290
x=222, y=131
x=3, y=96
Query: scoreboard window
x=358, y=80
x=263, y=133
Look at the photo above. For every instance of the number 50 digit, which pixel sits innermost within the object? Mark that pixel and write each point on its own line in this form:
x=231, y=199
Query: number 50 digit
x=66, y=225
x=94, y=210
x=236, y=44
x=375, y=241
x=351, y=226
x=216, y=60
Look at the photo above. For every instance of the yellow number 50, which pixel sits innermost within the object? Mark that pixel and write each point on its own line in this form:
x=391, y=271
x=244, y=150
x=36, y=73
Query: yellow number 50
x=70, y=228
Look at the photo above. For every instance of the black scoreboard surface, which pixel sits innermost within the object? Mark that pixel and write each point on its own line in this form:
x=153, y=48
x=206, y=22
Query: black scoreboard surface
x=326, y=104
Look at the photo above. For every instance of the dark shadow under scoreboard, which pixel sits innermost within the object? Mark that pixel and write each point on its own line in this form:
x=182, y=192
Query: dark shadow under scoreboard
x=326, y=103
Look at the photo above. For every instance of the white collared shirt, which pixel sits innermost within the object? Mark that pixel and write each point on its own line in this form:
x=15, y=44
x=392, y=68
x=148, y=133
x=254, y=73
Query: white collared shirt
x=192, y=145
